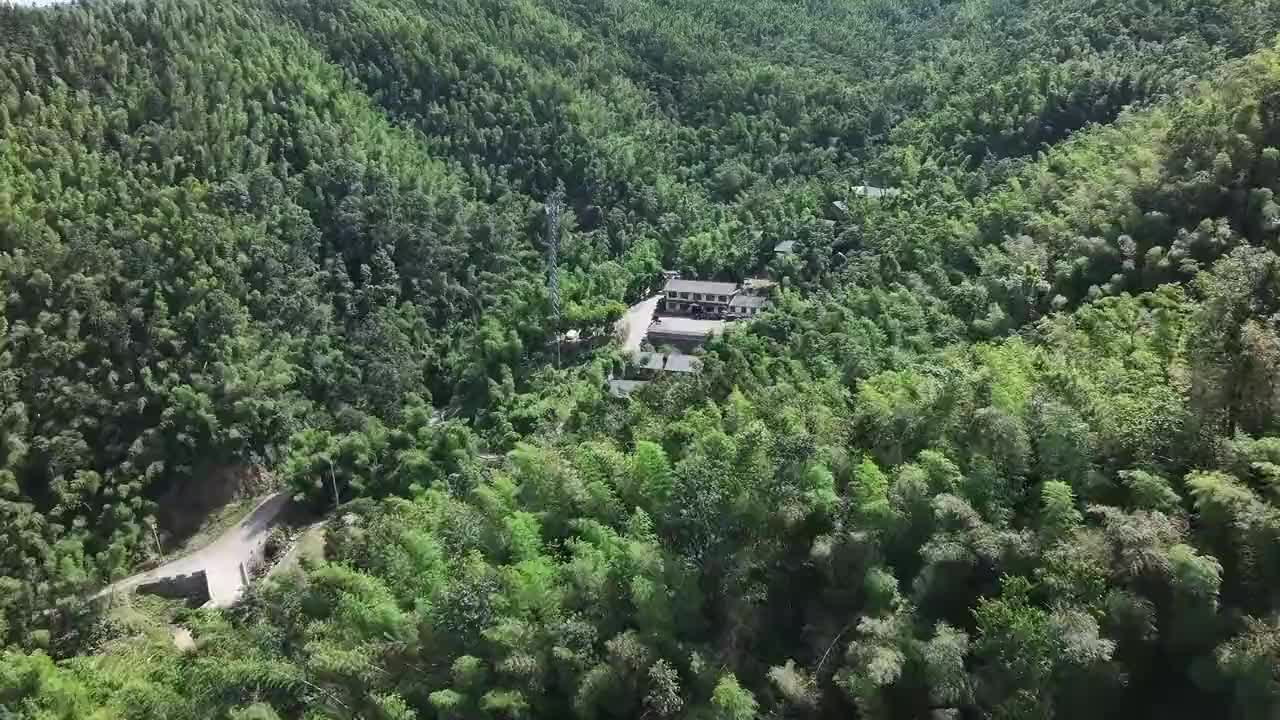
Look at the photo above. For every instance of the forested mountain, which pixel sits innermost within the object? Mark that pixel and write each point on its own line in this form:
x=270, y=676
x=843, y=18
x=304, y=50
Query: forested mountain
x=1006, y=444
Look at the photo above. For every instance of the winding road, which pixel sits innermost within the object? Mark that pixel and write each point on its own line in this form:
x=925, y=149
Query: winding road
x=228, y=561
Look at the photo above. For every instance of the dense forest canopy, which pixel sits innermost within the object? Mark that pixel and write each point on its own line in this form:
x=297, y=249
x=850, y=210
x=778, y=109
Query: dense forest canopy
x=1005, y=445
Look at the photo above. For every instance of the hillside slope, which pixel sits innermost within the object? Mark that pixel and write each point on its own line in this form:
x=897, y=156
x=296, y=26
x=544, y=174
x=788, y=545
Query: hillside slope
x=1004, y=445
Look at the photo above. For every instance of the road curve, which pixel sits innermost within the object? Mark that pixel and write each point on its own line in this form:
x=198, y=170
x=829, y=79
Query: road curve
x=634, y=325
x=227, y=561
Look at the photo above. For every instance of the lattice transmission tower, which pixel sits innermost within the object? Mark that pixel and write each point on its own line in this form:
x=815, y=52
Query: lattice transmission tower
x=554, y=206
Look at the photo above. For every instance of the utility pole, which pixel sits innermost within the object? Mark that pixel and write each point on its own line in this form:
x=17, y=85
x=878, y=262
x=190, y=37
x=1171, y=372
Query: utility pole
x=156, y=536
x=553, y=207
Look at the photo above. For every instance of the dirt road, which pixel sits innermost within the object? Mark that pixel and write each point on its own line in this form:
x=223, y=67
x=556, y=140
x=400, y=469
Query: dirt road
x=227, y=561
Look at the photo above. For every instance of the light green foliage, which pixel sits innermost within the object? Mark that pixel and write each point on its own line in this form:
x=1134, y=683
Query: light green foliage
x=820, y=489
x=1150, y=491
x=1027, y=652
x=944, y=657
x=894, y=406
x=34, y=686
x=731, y=701
x=1247, y=662
x=1196, y=581
x=523, y=539
x=1221, y=500
x=870, y=490
x=1058, y=512
x=649, y=484
x=875, y=660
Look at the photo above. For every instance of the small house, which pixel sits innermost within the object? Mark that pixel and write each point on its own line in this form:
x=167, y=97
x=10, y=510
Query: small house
x=648, y=364
x=875, y=193
x=745, y=306
x=682, y=332
x=623, y=388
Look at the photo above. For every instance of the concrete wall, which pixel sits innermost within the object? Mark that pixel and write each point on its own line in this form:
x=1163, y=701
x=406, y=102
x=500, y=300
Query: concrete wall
x=193, y=588
x=681, y=341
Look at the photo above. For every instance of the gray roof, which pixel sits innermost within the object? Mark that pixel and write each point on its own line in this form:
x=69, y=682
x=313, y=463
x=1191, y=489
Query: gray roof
x=785, y=246
x=685, y=327
x=751, y=301
x=705, y=287
x=758, y=284
x=868, y=191
x=623, y=388
x=681, y=363
x=649, y=361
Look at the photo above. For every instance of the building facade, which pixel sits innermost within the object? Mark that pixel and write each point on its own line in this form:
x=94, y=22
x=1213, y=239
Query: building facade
x=709, y=299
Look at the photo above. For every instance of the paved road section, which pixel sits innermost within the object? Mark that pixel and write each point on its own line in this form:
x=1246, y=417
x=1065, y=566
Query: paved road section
x=635, y=323
x=227, y=562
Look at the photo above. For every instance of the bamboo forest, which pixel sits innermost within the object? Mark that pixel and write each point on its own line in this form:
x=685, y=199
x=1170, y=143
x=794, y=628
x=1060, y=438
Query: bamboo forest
x=640, y=359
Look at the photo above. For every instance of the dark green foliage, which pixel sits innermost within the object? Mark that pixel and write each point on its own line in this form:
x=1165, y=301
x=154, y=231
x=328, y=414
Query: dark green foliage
x=1005, y=444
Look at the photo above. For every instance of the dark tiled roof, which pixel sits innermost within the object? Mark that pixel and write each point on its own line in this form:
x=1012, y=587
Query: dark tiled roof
x=678, y=362
x=623, y=388
x=748, y=301
x=870, y=191
x=704, y=287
